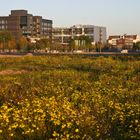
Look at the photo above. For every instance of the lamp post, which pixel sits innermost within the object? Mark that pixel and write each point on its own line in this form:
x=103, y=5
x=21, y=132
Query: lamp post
x=100, y=47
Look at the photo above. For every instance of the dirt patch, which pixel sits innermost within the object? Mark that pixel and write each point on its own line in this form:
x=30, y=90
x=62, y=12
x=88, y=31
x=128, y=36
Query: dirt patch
x=9, y=55
x=12, y=72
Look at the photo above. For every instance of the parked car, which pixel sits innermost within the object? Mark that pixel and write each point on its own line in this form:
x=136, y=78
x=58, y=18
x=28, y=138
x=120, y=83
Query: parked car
x=78, y=51
x=124, y=51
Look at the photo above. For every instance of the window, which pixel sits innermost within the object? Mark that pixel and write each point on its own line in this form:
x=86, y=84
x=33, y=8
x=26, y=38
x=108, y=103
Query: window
x=23, y=20
x=88, y=30
x=78, y=31
x=2, y=27
x=2, y=22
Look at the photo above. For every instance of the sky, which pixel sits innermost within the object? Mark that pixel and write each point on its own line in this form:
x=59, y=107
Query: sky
x=118, y=16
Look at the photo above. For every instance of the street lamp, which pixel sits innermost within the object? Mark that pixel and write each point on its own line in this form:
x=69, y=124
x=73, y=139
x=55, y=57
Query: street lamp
x=100, y=47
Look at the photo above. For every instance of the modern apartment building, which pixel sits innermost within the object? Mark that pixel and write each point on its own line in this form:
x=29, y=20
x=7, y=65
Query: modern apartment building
x=47, y=28
x=21, y=23
x=62, y=35
x=97, y=34
x=37, y=26
x=126, y=41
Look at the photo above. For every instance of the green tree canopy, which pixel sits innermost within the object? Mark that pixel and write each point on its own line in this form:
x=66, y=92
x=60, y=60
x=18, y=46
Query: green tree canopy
x=72, y=44
x=84, y=42
x=5, y=37
x=43, y=44
x=23, y=43
x=137, y=45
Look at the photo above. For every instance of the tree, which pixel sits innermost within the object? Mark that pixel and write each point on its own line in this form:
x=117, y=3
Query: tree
x=72, y=45
x=88, y=43
x=99, y=47
x=23, y=43
x=44, y=44
x=11, y=44
x=5, y=37
x=56, y=46
x=82, y=42
x=137, y=46
x=1, y=45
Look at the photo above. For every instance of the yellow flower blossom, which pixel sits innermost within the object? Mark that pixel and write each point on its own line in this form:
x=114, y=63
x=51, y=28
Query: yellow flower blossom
x=76, y=130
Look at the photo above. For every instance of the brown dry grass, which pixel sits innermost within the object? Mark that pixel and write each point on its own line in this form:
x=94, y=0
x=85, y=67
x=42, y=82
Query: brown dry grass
x=12, y=72
x=9, y=55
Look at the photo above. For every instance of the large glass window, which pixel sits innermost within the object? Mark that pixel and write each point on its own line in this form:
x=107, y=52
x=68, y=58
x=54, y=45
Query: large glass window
x=88, y=30
x=3, y=22
x=66, y=31
x=66, y=39
x=2, y=27
x=57, y=32
x=23, y=20
x=77, y=31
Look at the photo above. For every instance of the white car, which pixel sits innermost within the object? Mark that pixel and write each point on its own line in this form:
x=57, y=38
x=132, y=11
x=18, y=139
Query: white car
x=78, y=51
x=124, y=51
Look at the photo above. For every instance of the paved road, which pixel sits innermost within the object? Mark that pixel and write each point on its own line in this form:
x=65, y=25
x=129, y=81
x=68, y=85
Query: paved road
x=69, y=53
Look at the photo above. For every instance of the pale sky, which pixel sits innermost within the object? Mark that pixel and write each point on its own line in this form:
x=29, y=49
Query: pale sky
x=119, y=16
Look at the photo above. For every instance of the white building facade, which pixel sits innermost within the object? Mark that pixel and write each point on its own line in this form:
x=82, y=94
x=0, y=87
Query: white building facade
x=62, y=35
x=97, y=34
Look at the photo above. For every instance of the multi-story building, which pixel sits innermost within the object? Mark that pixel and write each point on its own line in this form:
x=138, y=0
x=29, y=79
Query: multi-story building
x=3, y=23
x=62, y=35
x=47, y=28
x=126, y=41
x=113, y=40
x=95, y=33
x=21, y=23
x=37, y=26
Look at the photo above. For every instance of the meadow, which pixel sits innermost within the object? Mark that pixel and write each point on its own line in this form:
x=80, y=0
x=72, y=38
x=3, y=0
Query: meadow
x=70, y=97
